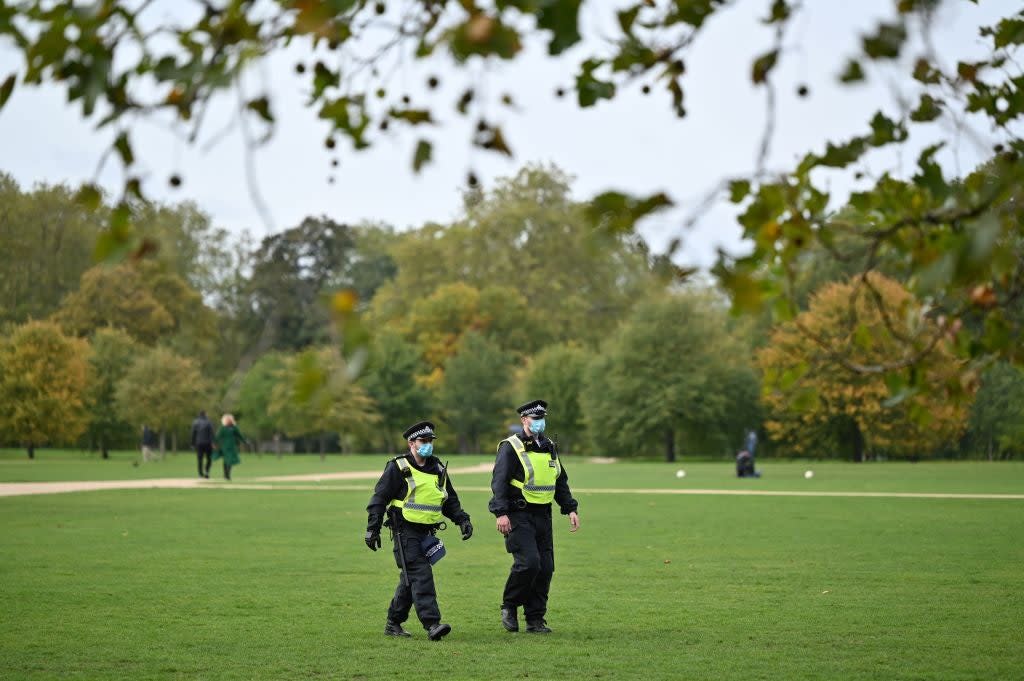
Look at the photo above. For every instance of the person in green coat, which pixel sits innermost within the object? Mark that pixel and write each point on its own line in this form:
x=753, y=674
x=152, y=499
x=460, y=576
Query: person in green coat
x=226, y=443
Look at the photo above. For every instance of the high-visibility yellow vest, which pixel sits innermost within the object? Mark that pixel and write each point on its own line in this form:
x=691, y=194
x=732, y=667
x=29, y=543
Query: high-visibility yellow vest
x=540, y=470
x=424, y=494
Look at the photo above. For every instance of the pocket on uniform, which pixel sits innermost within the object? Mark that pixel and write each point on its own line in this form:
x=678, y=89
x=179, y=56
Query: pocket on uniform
x=512, y=541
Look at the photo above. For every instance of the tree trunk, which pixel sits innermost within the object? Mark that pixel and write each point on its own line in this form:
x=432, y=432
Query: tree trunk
x=163, y=446
x=670, y=445
x=989, y=447
x=277, y=444
x=858, y=443
x=174, y=442
x=31, y=450
x=323, y=446
x=103, y=448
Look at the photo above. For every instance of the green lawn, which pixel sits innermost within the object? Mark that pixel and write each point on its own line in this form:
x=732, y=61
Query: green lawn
x=277, y=584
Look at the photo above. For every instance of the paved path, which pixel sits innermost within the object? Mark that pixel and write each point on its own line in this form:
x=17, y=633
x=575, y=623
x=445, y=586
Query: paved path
x=11, y=489
x=287, y=482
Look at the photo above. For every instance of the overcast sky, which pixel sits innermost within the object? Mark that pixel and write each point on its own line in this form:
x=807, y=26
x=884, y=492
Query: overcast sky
x=634, y=143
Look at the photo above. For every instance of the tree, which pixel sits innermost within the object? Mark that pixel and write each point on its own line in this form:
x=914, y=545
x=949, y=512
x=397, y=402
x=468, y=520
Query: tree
x=316, y=395
x=292, y=274
x=570, y=281
x=474, y=394
x=254, y=396
x=656, y=382
x=390, y=379
x=44, y=383
x=113, y=351
x=48, y=242
x=556, y=374
x=997, y=413
x=115, y=297
x=160, y=389
x=817, y=410
x=938, y=230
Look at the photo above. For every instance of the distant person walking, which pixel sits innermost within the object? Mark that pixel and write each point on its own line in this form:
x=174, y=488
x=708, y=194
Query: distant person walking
x=750, y=444
x=149, y=441
x=226, y=442
x=202, y=442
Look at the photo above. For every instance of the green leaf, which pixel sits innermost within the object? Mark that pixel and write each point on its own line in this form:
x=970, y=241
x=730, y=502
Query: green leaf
x=115, y=241
x=423, y=155
x=124, y=149
x=930, y=177
x=412, y=116
x=853, y=73
x=928, y=110
x=619, y=212
x=6, y=89
x=261, y=105
x=738, y=190
x=561, y=17
x=1007, y=32
x=492, y=139
x=885, y=130
x=590, y=89
x=886, y=42
x=925, y=73
x=780, y=12
x=89, y=196
x=763, y=66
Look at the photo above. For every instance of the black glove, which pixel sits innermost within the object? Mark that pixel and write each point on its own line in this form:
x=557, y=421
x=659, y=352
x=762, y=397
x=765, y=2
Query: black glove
x=372, y=539
x=467, y=530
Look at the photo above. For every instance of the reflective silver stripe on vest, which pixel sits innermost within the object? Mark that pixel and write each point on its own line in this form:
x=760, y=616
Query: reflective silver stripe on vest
x=524, y=457
x=411, y=481
x=539, y=488
x=420, y=507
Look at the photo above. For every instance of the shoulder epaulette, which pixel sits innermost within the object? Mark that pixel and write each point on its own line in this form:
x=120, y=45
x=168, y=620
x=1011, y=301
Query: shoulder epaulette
x=403, y=465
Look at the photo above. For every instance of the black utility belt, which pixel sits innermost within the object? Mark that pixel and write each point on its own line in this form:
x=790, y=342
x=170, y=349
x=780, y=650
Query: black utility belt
x=523, y=505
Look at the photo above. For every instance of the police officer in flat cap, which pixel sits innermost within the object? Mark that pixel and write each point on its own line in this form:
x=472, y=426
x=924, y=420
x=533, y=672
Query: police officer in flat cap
x=528, y=476
x=414, y=493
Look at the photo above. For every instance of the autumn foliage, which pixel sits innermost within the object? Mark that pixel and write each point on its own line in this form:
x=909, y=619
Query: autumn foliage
x=819, y=407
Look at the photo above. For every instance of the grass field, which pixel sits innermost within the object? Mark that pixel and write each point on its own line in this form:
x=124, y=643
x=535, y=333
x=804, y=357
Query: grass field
x=226, y=583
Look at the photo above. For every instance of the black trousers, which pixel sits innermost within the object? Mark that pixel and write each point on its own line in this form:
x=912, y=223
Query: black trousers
x=533, y=561
x=203, y=459
x=420, y=591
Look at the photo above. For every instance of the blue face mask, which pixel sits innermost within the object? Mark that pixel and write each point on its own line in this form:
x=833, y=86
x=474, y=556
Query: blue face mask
x=426, y=450
x=537, y=426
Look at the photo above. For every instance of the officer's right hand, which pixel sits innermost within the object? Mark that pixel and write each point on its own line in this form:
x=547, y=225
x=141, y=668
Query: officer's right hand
x=372, y=539
x=504, y=524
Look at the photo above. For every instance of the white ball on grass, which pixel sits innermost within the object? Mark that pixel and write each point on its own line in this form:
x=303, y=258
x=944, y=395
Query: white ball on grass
x=680, y=473
x=808, y=474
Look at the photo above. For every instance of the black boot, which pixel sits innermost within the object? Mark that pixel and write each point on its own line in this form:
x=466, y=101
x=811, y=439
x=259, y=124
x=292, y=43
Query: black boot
x=395, y=629
x=537, y=627
x=438, y=631
x=509, y=618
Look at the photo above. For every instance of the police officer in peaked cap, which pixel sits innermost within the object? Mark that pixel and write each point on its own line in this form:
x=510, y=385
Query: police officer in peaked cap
x=527, y=477
x=414, y=493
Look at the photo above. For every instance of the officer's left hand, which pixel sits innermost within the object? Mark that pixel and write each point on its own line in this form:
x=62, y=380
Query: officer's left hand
x=467, y=530
x=372, y=539
x=574, y=522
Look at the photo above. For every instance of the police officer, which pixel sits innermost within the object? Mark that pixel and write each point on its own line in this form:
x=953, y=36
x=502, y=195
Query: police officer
x=414, y=492
x=527, y=477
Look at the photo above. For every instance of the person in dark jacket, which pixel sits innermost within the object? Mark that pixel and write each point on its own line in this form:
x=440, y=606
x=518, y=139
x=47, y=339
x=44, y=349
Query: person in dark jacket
x=528, y=476
x=149, y=441
x=415, y=493
x=202, y=442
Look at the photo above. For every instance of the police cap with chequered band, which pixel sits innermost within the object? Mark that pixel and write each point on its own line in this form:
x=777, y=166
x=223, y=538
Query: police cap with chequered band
x=424, y=430
x=534, y=410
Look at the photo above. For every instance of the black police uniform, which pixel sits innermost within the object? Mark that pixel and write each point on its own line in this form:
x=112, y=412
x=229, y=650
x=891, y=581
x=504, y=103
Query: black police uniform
x=530, y=542
x=420, y=590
